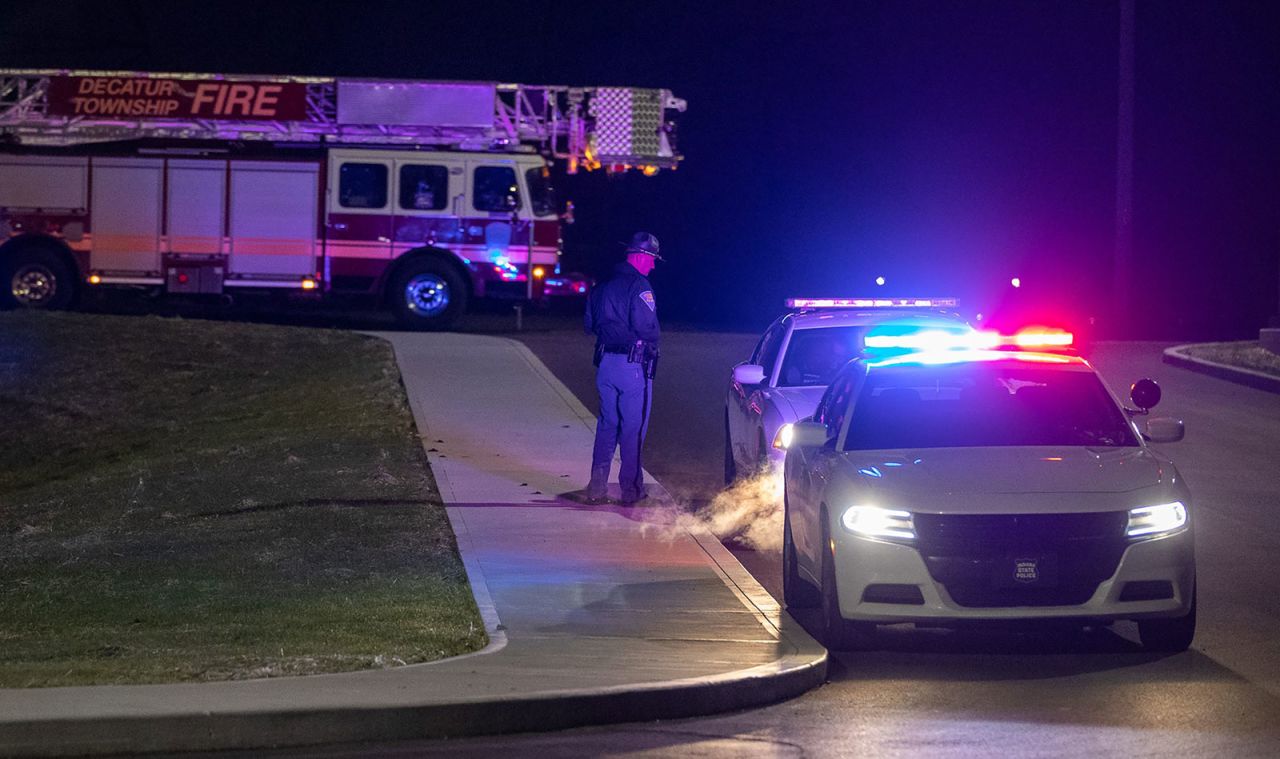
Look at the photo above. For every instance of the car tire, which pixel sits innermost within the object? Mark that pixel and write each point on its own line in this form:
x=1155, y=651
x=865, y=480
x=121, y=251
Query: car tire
x=427, y=294
x=36, y=277
x=730, y=466
x=797, y=592
x=1169, y=634
x=838, y=633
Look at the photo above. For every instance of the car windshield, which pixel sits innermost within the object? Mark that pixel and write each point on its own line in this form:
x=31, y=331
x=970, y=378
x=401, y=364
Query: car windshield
x=989, y=404
x=815, y=355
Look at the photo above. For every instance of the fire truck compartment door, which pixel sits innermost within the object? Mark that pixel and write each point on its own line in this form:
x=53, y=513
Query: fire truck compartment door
x=43, y=182
x=273, y=214
x=125, y=214
x=197, y=194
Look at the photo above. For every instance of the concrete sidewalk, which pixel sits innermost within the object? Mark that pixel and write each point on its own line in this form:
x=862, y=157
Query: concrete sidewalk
x=595, y=614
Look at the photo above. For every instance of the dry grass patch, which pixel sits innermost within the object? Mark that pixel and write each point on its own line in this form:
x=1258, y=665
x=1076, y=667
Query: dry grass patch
x=190, y=500
x=1245, y=354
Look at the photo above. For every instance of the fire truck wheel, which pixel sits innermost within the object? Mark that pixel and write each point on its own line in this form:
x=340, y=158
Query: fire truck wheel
x=36, y=277
x=427, y=294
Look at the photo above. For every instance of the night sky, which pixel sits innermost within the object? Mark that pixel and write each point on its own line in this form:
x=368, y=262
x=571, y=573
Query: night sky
x=946, y=146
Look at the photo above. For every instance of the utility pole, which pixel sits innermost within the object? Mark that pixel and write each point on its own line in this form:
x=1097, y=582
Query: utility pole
x=1122, y=258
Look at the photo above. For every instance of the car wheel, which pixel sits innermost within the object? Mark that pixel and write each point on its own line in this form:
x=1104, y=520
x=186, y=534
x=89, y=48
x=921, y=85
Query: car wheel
x=427, y=293
x=797, y=592
x=37, y=278
x=838, y=633
x=730, y=466
x=1169, y=635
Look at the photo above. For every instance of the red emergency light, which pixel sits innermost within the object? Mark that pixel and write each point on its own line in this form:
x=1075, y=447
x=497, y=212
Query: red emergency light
x=1042, y=338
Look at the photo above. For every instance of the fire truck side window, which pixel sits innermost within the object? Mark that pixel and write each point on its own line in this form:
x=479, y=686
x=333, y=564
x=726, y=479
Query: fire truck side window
x=362, y=185
x=541, y=196
x=495, y=189
x=423, y=188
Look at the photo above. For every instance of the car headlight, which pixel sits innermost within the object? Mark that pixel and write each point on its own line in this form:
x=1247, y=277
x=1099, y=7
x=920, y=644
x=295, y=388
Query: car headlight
x=875, y=522
x=1149, y=521
x=782, y=439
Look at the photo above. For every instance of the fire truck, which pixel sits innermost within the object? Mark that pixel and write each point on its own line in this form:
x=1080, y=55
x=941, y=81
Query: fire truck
x=424, y=194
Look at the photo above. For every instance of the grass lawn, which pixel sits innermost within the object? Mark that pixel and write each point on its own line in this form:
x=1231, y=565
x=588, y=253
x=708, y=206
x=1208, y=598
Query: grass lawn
x=191, y=500
x=1246, y=354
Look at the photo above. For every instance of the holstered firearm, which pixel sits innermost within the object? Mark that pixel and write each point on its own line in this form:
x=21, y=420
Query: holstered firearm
x=650, y=362
x=646, y=354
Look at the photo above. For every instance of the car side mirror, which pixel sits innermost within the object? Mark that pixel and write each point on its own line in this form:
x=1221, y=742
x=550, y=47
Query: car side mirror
x=748, y=374
x=808, y=435
x=1164, y=429
x=1145, y=394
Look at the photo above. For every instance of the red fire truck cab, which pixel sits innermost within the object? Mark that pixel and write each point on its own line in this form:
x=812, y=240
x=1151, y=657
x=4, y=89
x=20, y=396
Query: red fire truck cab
x=422, y=194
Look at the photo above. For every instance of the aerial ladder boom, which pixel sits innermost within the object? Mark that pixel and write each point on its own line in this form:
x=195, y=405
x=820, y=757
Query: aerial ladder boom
x=587, y=127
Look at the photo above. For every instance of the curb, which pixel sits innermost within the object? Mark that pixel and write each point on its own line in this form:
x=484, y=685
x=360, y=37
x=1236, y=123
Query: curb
x=757, y=686
x=1177, y=356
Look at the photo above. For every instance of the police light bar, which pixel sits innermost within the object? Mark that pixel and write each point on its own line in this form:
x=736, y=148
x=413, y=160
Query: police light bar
x=1039, y=337
x=933, y=340
x=806, y=303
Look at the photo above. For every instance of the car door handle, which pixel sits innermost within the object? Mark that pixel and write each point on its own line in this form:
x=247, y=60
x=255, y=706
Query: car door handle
x=337, y=225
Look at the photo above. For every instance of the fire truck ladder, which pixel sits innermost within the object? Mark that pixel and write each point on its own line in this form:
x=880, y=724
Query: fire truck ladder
x=588, y=127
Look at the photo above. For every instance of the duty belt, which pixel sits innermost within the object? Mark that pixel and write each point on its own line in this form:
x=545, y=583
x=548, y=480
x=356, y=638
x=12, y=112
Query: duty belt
x=615, y=348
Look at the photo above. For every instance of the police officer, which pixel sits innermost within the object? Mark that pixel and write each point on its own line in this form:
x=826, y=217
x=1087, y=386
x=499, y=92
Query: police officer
x=623, y=315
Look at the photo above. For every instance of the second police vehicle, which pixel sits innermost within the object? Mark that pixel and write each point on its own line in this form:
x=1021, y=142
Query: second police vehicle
x=796, y=358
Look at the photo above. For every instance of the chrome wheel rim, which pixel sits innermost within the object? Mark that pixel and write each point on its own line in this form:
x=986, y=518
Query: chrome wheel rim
x=33, y=285
x=427, y=294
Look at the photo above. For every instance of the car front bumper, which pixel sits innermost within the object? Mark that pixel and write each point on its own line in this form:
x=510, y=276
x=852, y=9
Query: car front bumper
x=862, y=563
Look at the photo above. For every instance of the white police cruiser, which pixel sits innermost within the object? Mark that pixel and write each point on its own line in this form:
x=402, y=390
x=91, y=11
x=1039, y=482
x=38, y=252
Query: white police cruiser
x=802, y=350
x=947, y=486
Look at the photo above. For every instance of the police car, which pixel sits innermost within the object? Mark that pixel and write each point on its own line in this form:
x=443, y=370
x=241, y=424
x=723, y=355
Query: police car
x=802, y=350
x=941, y=487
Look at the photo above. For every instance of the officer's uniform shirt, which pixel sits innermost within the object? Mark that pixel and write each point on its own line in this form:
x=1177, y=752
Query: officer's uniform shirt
x=622, y=310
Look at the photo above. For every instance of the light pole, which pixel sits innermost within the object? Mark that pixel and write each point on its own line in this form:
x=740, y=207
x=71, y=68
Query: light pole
x=1122, y=258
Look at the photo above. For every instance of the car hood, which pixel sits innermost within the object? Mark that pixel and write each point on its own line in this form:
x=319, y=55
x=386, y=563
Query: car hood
x=796, y=402
x=1011, y=479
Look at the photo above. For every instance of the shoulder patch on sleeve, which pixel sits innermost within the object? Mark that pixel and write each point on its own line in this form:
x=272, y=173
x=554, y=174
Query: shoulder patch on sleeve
x=647, y=297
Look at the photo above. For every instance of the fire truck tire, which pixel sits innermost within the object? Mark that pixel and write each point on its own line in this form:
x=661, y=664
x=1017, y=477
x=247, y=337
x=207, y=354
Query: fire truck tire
x=36, y=276
x=427, y=294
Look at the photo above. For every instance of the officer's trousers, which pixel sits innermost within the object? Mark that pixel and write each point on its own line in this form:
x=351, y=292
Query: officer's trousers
x=625, y=400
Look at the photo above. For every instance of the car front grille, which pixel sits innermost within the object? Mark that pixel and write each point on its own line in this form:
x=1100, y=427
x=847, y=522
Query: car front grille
x=1005, y=560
